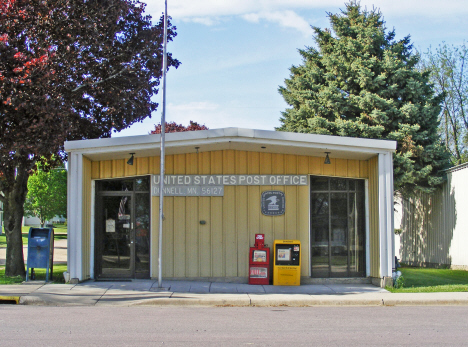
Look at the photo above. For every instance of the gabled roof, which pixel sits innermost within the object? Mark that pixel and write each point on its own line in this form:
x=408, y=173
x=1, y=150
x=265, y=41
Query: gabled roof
x=232, y=138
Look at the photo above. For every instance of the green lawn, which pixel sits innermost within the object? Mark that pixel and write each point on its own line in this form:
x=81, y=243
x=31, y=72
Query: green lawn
x=423, y=280
x=60, y=233
x=40, y=275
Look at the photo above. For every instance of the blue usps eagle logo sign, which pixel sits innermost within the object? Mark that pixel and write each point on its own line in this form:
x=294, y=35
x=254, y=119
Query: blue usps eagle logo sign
x=273, y=203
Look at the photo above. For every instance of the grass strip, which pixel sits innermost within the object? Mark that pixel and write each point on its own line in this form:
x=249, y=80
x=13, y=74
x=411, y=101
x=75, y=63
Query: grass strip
x=424, y=280
x=59, y=269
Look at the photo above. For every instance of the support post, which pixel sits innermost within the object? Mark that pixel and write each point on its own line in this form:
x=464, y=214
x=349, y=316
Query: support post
x=163, y=144
x=386, y=237
x=75, y=216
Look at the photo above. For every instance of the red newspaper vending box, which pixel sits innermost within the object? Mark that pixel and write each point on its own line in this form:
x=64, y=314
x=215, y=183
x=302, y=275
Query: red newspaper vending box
x=259, y=262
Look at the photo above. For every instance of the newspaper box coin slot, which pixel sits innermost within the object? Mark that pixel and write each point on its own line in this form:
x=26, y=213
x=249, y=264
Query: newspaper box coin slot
x=259, y=261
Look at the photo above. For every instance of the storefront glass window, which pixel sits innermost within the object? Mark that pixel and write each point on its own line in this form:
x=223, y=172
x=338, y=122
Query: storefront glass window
x=338, y=183
x=319, y=183
x=142, y=184
x=116, y=185
x=337, y=227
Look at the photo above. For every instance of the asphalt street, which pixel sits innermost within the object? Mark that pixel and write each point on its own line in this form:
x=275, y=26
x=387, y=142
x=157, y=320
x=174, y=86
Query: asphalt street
x=233, y=326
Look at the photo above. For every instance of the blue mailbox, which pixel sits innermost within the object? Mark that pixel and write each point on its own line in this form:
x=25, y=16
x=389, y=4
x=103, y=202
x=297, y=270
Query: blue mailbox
x=40, y=251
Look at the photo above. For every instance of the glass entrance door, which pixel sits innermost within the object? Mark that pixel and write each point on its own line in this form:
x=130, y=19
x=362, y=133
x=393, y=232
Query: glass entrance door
x=118, y=245
x=337, y=227
x=142, y=235
x=122, y=228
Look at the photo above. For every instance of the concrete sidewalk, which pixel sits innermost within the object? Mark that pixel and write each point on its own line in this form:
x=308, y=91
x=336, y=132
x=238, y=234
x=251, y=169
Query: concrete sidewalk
x=191, y=293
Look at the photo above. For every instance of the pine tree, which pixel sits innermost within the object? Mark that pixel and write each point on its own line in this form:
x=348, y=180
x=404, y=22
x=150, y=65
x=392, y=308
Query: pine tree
x=361, y=82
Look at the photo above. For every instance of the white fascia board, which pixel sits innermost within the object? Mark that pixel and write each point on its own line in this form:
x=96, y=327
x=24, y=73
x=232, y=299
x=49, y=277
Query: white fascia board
x=235, y=143
x=301, y=144
x=385, y=145
x=142, y=140
x=457, y=167
x=226, y=135
x=79, y=145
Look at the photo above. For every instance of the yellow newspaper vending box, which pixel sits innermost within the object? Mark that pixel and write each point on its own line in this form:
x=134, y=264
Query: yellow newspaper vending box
x=287, y=263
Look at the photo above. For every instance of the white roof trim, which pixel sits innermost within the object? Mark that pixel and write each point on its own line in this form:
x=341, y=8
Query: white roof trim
x=232, y=138
x=457, y=167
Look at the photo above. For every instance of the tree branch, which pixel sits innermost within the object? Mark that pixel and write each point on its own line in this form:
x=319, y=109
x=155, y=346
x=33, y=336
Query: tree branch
x=103, y=80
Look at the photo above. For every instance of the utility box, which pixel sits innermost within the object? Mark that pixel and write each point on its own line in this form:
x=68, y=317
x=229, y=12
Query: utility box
x=40, y=251
x=259, y=261
x=287, y=263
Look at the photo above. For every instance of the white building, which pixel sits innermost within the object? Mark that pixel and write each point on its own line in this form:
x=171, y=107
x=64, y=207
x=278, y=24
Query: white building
x=434, y=227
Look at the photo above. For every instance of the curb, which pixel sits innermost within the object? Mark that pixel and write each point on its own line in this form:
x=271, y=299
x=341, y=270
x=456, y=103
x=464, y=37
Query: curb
x=294, y=303
x=240, y=303
x=240, y=300
x=265, y=301
x=34, y=300
x=430, y=302
x=9, y=299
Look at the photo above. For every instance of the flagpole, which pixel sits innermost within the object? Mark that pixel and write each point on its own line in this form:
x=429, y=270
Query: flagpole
x=163, y=145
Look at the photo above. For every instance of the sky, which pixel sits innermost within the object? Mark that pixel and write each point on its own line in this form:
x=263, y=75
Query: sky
x=236, y=53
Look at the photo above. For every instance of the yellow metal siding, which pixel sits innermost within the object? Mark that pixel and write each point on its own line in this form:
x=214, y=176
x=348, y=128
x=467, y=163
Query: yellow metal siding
x=218, y=258
x=204, y=230
x=220, y=247
x=86, y=222
x=229, y=218
x=154, y=237
x=240, y=207
x=302, y=214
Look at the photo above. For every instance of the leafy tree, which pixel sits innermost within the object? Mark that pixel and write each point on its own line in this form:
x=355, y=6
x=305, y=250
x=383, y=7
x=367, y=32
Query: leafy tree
x=361, y=82
x=47, y=194
x=173, y=127
x=449, y=74
x=69, y=69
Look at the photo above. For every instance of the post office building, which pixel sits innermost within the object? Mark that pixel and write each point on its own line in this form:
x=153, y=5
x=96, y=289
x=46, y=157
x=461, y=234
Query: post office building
x=221, y=187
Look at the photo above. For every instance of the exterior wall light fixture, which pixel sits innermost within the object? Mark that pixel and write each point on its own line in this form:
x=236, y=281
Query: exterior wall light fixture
x=130, y=161
x=327, y=158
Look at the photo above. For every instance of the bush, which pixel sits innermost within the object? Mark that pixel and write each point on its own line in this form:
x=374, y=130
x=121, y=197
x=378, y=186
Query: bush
x=399, y=282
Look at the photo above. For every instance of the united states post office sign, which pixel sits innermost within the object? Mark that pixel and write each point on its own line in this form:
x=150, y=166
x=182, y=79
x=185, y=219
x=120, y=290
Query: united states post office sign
x=213, y=185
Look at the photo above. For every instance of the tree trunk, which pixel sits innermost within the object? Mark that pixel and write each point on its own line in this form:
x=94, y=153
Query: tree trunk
x=12, y=216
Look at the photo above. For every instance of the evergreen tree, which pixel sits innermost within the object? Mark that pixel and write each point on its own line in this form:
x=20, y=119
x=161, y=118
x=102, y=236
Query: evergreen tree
x=361, y=82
